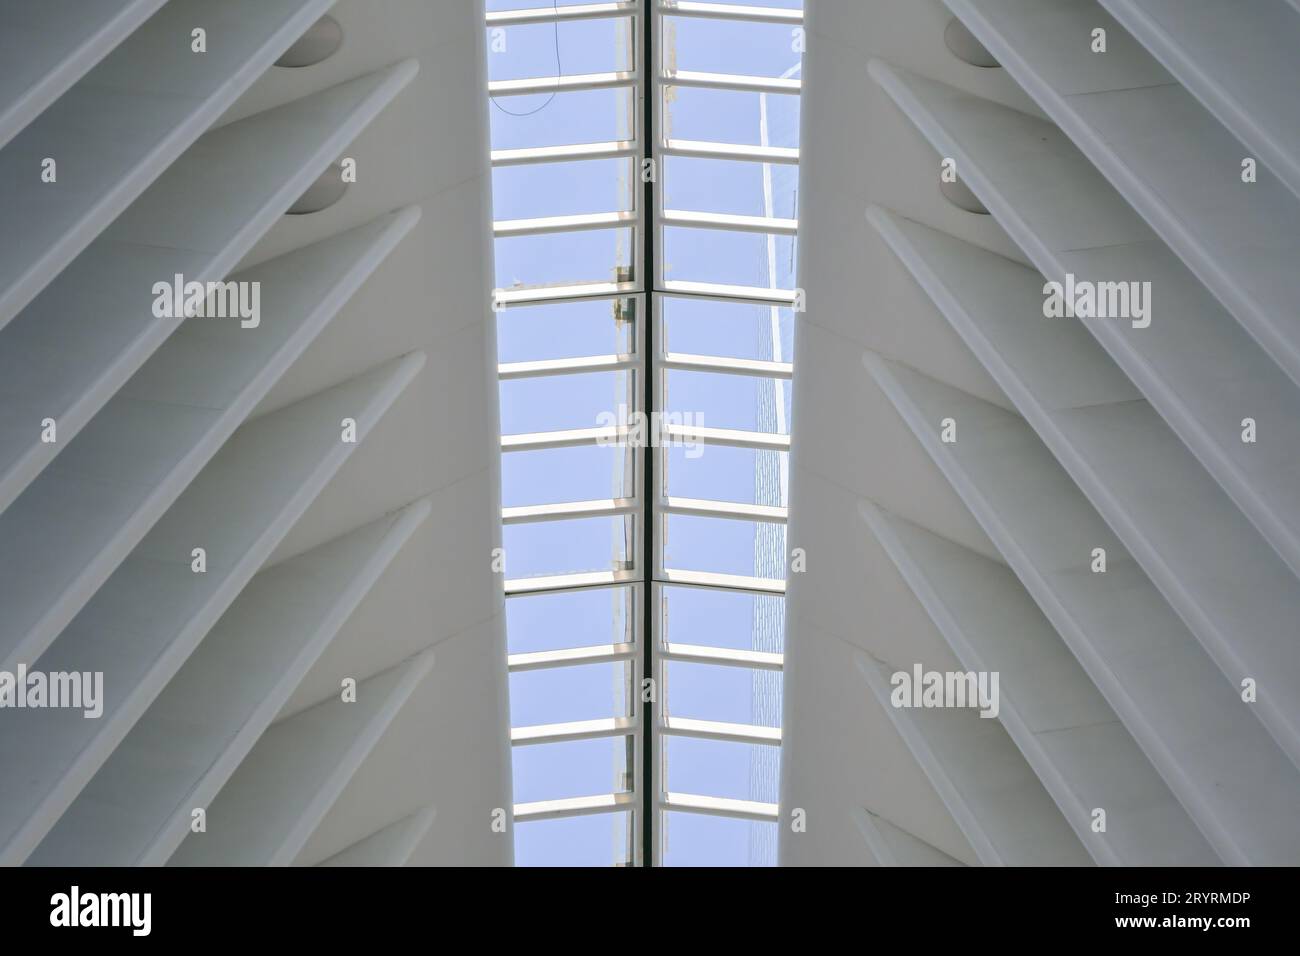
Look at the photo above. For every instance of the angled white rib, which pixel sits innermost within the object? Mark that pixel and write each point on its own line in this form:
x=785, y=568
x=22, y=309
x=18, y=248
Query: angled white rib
x=48, y=46
x=1195, y=365
x=1133, y=469
x=121, y=125
x=894, y=846
x=77, y=344
x=144, y=447
x=209, y=715
x=148, y=617
x=391, y=846
x=1239, y=239
x=1067, y=732
x=1224, y=767
x=991, y=792
x=1238, y=59
x=269, y=808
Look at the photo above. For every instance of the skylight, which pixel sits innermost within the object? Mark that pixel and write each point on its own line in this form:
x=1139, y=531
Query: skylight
x=617, y=297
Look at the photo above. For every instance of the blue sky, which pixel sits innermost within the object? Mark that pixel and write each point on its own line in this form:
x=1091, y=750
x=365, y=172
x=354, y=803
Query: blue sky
x=574, y=401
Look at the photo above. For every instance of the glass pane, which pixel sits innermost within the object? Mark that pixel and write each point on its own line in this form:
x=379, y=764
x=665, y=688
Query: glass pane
x=550, y=622
x=730, y=116
x=724, y=545
x=730, y=329
x=523, y=51
x=692, y=839
x=600, y=840
x=567, y=547
x=737, y=695
x=563, y=694
x=540, y=190
x=720, y=400
x=728, y=186
x=561, y=119
x=743, y=475
x=533, y=333
x=574, y=768
x=564, y=258
x=554, y=475
x=555, y=402
x=733, y=258
x=731, y=46
x=712, y=185
x=723, y=619
x=721, y=768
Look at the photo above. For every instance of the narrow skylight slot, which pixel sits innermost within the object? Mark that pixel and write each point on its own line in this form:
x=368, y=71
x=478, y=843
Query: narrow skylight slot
x=645, y=332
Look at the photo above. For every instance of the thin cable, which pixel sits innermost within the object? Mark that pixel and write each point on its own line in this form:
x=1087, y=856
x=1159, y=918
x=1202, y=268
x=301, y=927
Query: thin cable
x=555, y=5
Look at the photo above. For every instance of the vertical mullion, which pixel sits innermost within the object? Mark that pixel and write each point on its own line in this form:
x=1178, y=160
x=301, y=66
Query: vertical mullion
x=647, y=131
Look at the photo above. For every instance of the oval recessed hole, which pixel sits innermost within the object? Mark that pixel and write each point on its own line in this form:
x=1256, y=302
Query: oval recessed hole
x=960, y=196
x=328, y=189
x=963, y=45
x=320, y=42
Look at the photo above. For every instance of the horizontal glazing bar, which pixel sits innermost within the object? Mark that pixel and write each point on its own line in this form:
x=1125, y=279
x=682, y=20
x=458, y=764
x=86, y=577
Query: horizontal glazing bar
x=734, y=437
x=729, y=293
x=726, y=365
x=570, y=509
x=555, y=294
x=721, y=730
x=705, y=508
x=731, y=81
x=552, y=14
x=562, y=154
x=714, y=579
x=726, y=656
x=701, y=149
x=729, y=11
x=768, y=225
x=569, y=582
x=574, y=730
x=574, y=807
x=598, y=654
x=562, y=84
x=504, y=228
x=567, y=366
x=720, y=807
